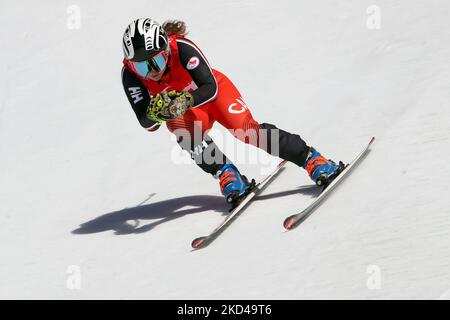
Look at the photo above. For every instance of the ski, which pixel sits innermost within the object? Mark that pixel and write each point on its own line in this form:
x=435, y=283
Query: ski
x=294, y=220
x=203, y=241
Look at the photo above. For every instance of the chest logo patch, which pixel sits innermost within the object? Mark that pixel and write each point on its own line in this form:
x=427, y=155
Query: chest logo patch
x=193, y=63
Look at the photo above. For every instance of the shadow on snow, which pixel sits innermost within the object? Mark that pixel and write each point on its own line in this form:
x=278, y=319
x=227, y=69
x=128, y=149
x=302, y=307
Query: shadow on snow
x=129, y=220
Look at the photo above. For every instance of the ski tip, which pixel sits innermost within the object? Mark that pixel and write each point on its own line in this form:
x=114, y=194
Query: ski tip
x=290, y=222
x=198, y=242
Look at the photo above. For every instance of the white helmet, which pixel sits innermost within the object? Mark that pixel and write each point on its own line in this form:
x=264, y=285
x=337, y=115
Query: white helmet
x=144, y=38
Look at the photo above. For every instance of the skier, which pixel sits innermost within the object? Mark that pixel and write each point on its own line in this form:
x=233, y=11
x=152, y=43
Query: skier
x=168, y=79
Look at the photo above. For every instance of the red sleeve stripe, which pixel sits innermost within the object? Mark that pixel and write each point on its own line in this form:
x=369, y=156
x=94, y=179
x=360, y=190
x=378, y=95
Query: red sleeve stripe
x=153, y=127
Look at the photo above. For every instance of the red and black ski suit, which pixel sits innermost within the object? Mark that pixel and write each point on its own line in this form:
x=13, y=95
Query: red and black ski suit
x=215, y=99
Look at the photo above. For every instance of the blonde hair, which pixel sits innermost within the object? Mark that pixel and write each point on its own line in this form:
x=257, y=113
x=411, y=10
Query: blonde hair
x=175, y=27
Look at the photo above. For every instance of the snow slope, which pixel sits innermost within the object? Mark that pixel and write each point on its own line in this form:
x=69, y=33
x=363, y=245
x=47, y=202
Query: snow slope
x=81, y=184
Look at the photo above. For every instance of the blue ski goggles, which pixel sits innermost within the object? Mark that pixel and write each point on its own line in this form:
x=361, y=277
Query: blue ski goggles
x=154, y=65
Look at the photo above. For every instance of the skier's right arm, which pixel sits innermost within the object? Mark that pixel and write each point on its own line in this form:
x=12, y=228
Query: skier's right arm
x=139, y=98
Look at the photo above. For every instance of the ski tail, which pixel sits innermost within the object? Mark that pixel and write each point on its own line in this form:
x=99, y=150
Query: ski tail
x=203, y=241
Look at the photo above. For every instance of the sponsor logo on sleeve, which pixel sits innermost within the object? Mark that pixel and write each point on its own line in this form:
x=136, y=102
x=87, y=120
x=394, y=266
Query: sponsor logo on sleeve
x=136, y=94
x=193, y=63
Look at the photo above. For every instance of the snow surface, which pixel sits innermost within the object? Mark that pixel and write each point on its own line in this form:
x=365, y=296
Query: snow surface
x=82, y=184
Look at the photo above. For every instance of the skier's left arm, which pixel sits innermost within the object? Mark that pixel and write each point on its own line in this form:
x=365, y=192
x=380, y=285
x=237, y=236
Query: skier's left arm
x=195, y=63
